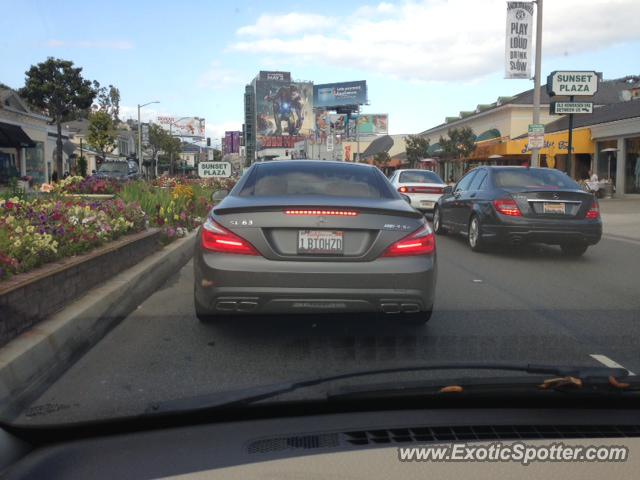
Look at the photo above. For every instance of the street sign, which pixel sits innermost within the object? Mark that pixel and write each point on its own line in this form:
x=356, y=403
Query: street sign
x=214, y=169
x=536, y=135
x=210, y=154
x=578, y=83
x=564, y=108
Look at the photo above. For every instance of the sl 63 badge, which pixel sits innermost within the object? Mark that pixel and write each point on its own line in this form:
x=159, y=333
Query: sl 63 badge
x=241, y=223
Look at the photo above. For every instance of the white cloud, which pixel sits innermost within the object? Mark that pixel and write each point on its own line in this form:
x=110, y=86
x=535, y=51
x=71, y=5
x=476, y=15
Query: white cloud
x=438, y=40
x=107, y=44
x=383, y=8
x=287, y=24
x=217, y=77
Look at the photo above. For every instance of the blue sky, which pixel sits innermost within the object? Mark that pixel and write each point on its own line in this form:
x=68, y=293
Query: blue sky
x=423, y=60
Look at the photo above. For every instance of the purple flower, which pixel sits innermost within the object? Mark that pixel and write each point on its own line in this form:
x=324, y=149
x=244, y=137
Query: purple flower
x=171, y=232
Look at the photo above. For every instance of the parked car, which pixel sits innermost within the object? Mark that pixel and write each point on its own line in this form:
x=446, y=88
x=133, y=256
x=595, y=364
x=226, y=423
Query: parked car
x=119, y=170
x=518, y=205
x=423, y=187
x=314, y=237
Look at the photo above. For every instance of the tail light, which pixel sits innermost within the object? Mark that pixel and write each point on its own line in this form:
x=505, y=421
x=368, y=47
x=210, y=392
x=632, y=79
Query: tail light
x=326, y=213
x=594, y=211
x=216, y=238
x=421, y=189
x=420, y=242
x=507, y=207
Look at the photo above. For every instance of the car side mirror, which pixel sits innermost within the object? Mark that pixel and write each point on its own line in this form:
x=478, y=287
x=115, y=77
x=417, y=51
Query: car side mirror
x=448, y=190
x=218, y=195
x=406, y=198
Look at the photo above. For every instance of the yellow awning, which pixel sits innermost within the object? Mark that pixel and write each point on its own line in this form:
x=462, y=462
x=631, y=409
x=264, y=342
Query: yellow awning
x=556, y=144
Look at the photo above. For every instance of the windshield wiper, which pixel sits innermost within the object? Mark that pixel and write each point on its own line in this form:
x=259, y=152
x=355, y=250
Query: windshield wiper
x=566, y=373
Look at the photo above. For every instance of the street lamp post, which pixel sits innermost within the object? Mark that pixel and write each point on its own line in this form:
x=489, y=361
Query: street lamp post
x=535, y=152
x=140, y=134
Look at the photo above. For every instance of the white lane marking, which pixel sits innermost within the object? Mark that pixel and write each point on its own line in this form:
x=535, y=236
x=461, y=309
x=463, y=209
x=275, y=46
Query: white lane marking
x=477, y=280
x=603, y=359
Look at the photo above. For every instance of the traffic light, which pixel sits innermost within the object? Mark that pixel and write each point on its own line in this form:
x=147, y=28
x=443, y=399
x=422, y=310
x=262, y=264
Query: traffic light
x=208, y=141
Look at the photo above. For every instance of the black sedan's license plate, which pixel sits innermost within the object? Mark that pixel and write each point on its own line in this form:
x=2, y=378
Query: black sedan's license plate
x=557, y=208
x=326, y=242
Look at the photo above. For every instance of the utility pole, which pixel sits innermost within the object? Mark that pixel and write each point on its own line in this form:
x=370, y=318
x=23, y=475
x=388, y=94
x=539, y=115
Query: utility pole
x=358, y=137
x=535, y=152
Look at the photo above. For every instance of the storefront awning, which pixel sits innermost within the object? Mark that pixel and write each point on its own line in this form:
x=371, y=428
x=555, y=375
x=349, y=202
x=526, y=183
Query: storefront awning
x=13, y=136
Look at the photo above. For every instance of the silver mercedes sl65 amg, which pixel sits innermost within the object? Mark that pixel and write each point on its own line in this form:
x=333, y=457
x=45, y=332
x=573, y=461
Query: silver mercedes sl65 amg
x=313, y=236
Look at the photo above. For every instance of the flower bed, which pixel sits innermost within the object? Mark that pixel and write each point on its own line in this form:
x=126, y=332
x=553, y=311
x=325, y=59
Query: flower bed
x=81, y=185
x=73, y=216
x=177, y=210
x=34, y=232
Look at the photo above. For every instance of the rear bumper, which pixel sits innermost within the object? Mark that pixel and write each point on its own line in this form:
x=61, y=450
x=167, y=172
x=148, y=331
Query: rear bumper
x=519, y=231
x=239, y=284
x=424, y=201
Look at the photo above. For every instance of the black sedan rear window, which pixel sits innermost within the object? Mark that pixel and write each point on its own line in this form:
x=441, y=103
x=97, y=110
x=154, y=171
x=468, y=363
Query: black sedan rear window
x=330, y=179
x=419, y=177
x=532, y=178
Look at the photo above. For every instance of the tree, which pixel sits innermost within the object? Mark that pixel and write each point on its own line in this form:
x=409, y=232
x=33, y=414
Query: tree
x=102, y=134
x=381, y=159
x=459, y=144
x=58, y=88
x=417, y=148
x=172, y=147
x=217, y=155
x=157, y=136
x=108, y=99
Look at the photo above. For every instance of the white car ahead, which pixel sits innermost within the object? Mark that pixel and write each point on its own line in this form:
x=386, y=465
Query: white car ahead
x=423, y=187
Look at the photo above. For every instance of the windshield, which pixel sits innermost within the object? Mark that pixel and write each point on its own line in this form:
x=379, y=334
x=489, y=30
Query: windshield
x=120, y=167
x=319, y=179
x=201, y=198
x=419, y=177
x=533, y=178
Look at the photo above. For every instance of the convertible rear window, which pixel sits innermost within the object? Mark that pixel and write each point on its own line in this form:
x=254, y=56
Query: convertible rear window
x=419, y=177
x=330, y=179
x=532, y=178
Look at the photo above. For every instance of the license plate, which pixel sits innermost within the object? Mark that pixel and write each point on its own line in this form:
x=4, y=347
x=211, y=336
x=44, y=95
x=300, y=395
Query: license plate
x=553, y=208
x=427, y=204
x=326, y=242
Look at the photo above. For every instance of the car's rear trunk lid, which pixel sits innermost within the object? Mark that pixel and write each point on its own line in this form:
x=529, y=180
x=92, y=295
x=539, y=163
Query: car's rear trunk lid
x=303, y=229
x=552, y=203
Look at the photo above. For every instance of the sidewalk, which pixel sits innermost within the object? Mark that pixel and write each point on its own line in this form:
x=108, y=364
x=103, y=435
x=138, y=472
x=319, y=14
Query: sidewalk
x=621, y=216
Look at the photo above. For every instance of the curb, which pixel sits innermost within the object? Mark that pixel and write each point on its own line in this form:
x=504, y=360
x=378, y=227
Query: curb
x=31, y=361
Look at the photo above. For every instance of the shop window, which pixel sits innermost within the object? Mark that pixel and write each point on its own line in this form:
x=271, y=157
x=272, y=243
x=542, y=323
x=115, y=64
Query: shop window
x=632, y=165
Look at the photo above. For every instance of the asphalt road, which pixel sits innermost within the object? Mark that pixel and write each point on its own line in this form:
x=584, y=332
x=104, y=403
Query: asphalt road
x=527, y=305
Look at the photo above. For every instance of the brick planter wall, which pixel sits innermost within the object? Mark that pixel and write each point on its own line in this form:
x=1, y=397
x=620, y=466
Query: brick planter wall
x=30, y=297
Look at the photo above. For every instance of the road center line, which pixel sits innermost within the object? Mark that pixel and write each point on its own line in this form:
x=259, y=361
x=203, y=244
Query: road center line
x=603, y=359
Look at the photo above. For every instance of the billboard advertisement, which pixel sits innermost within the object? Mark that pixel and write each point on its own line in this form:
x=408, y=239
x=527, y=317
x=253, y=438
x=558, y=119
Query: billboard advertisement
x=340, y=94
x=283, y=109
x=277, y=76
x=373, y=124
x=344, y=128
x=183, y=127
x=231, y=142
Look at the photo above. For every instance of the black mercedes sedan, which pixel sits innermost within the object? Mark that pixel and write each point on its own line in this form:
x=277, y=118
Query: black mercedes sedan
x=517, y=205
